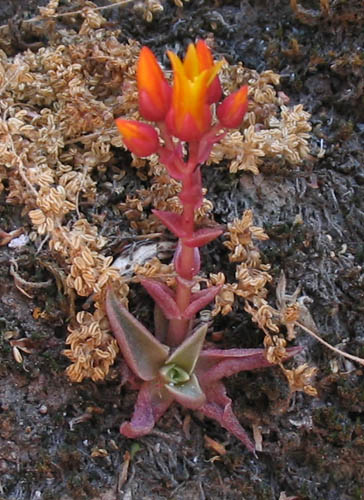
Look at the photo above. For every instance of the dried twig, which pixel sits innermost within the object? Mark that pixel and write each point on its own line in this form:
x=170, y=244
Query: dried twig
x=72, y=13
x=22, y=169
x=326, y=344
x=29, y=284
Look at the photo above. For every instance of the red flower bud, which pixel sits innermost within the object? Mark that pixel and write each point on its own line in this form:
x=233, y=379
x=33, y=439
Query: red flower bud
x=189, y=117
x=140, y=138
x=154, y=91
x=233, y=108
x=206, y=61
x=186, y=126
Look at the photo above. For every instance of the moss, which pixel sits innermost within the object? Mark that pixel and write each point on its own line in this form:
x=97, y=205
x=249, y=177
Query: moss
x=70, y=459
x=351, y=391
x=335, y=425
x=50, y=494
x=53, y=361
x=80, y=487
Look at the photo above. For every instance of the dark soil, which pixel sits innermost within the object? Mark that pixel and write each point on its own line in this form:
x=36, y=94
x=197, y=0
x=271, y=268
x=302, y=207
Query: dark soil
x=49, y=428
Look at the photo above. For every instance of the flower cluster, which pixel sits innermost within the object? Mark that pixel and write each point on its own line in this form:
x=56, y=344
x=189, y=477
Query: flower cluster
x=173, y=365
x=183, y=113
x=183, y=110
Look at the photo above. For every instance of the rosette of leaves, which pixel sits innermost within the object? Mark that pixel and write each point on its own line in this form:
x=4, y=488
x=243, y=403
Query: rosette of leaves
x=189, y=374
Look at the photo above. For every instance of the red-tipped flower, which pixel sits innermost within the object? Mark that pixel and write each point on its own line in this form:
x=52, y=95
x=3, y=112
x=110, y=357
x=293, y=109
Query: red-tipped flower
x=140, y=138
x=153, y=88
x=190, y=117
x=233, y=108
x=206, y=61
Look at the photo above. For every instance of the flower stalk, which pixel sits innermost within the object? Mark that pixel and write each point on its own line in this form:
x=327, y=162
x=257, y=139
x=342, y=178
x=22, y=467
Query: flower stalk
x=181, y=369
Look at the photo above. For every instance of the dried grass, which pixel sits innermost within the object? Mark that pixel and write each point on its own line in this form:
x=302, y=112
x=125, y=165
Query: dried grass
x=56, y=128
x=270, y=127
x=252, y=279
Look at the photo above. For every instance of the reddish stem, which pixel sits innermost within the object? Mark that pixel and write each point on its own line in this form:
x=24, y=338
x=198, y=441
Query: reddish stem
x=190, y=196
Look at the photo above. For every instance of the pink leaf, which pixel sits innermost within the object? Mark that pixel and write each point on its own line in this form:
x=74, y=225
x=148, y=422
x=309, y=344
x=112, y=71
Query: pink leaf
x=153, y=401
x=143, y=353
x=173, y=160
x=160, y=324
x=207, y=143
x=163, y=296
x=174, y=222
x=218, y=407
x=202, y=237
x=216, y=364
x=185, y=269
x=199, y=300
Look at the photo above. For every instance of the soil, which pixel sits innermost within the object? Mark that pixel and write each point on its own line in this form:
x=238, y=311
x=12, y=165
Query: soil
x=61, y=440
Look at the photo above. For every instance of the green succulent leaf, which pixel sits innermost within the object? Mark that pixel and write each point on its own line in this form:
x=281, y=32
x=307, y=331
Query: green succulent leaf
x=144, y=354
x=187, y=354
x=173, y=374
x=189, y=394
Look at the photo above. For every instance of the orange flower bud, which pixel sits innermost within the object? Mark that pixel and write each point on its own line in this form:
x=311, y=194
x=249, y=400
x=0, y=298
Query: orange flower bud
x=140, y=138
x=188, y=127
x=233, y=108
x=190, y=117
x=153, y=88
x=206, y=61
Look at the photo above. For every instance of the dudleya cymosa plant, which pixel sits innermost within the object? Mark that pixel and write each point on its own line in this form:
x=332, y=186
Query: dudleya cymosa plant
x=173, y=364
